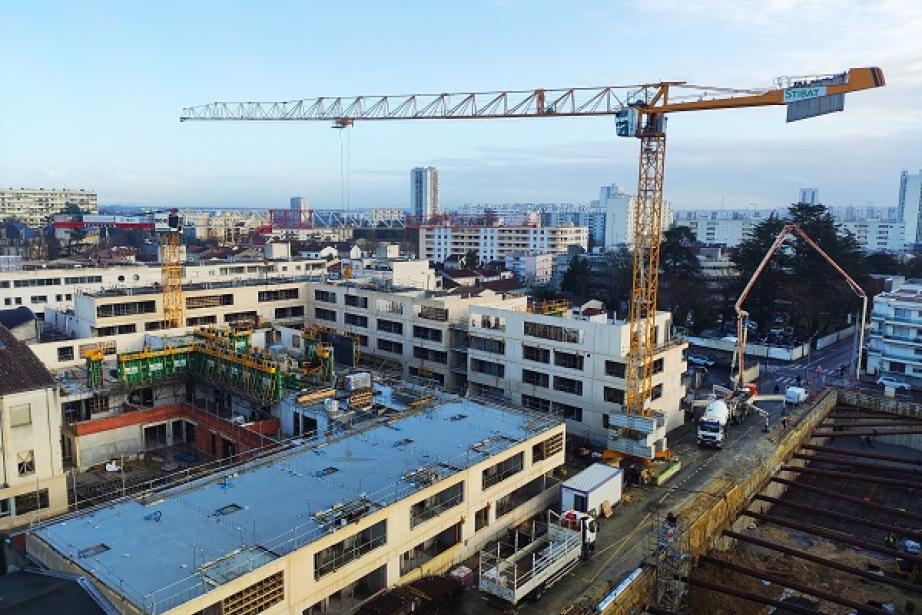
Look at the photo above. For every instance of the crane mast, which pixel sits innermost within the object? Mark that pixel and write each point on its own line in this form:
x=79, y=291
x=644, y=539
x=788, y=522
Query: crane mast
x=640, y=112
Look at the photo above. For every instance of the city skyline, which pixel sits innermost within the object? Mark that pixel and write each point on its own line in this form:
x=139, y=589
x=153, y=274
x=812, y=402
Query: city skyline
x=116, y=128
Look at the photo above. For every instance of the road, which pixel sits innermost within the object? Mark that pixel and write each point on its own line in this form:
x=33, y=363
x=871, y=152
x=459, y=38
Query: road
x=624, y=539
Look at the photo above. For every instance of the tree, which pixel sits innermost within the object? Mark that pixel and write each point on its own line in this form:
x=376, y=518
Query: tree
x=882, y=262
x=471, y=259
x=798, y=276
x=681, y=283
x=72, y=209
x=576, y=279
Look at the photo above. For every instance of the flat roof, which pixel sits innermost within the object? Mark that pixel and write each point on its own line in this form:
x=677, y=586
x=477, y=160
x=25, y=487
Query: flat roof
x=164, y=550
x=156, y=290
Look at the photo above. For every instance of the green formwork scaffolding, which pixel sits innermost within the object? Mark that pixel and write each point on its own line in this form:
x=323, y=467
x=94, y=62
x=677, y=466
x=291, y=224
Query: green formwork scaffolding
x=247, y=373
x=148, y=366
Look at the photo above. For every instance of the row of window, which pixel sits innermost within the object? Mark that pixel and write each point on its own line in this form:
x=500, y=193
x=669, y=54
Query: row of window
x=33, y=282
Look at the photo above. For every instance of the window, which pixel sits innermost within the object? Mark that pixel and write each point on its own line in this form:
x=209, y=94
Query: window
x=20, y=415
x=568, y=385
x=567, y=411
x=533, y=353
x=208, y=301
x=536, y=403
x=570, y=360
x=126, y=308
x=39, y=298
x=517, y=497
x=613, y=396
x=5, y=510
x=481, y=518
x=355, y=320
x=356, y=301
x=277, y=295
x=487, y=345
x=657, y=392
x=390, y=326
x=553, y=332
x=325, y=296
x=293, y=311
x=548, y=448
x=31, y=501
x=430, y=312
x=25, y=462
x=605, y=424
x=389, y=346
x=195, y=321
x=488, y=367
x=613, y=368
x=499, y=472
x=436, y=504
x=425, y=333
x=66, y=353
x=325, y=314
x=437, y=356
x=535, y=378
x=658, y=366
x=352, y=548
x=155, y=325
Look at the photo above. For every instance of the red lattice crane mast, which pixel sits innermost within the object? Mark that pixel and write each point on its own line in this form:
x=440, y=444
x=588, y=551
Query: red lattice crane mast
x=640, y=112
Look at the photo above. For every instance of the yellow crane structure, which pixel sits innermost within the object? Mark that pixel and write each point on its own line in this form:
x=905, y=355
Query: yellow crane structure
x=640, y=112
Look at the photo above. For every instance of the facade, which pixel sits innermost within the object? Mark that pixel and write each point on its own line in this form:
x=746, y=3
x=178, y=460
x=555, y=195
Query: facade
x=615, y=207
x=36, y=206
x=39, y=287
x=421, y=331
x=317, y=529
x=722, y=227
x=299, y=203
x=876, y=235
x=895, y=340
x=424, y=192
x=909, y=206
x=494, y=243
x=33, y=485
x=249, y=302
x=531, y=267
x=569, y=367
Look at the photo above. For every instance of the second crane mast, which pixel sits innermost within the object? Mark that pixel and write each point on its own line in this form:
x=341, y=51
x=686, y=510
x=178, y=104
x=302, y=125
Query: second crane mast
x=640, y=112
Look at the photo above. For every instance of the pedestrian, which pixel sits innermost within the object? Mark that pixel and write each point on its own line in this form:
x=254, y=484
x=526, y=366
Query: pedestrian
x=784, y=423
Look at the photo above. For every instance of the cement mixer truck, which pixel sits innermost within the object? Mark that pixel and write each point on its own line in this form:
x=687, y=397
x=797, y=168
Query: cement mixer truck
x=712, y=427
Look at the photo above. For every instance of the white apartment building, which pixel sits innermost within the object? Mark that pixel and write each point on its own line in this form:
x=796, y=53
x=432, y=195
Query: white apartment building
x=39, y=287
x=531, y=267
x=33, y=483
x=422, y=331
x=134, y=310
x=572, y=368
x=895, y=340
x=36, y=206
x=317, y=529
x=876, y=235
x=721, y=227
x=424, y=192
x=494, y=243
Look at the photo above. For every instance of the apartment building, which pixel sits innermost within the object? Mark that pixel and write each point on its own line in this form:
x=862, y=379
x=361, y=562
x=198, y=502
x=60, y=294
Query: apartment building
x=33, y=483
x=531, y=267
x=317, y=529
x=876, y=235
x=36, y=206
x=494, y=243
x=571, y=367
x=895, y=340
x=40, y=286
x=133, y=310
x=422, y=331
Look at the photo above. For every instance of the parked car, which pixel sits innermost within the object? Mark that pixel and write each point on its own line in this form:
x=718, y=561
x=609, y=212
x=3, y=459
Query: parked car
x=700, y=359
x=893, y=383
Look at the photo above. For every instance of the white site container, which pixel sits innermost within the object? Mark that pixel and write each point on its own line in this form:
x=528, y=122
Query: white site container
x=587, y=490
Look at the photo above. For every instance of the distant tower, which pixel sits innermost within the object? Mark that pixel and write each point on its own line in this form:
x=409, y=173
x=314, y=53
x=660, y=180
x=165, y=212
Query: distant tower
x=424, y=192
x=811, y=196
x=909, y=206
x=299, y=203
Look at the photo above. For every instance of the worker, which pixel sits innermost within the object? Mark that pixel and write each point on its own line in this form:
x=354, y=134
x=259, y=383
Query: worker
x=798, y=380
x=890, y=540
x=766, y=428
x=777, y=389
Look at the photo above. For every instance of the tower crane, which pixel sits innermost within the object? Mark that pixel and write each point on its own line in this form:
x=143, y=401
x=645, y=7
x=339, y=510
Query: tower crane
x=640, y=112
x=167, y=224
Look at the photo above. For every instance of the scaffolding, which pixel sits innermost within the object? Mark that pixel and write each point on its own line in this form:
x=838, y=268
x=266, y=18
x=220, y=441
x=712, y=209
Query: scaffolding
x=252, y=373
x=148, y=365
x=94, y=360
x=667, y=549
x=233, y=338
x=549, y=307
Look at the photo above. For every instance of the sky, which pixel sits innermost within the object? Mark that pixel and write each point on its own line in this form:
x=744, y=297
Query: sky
x=92, y=92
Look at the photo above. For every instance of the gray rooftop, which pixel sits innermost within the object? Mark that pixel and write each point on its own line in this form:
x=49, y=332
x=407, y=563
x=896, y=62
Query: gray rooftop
x=168, y=550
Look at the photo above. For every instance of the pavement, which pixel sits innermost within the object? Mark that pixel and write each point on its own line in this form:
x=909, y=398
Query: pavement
x=624, y=539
